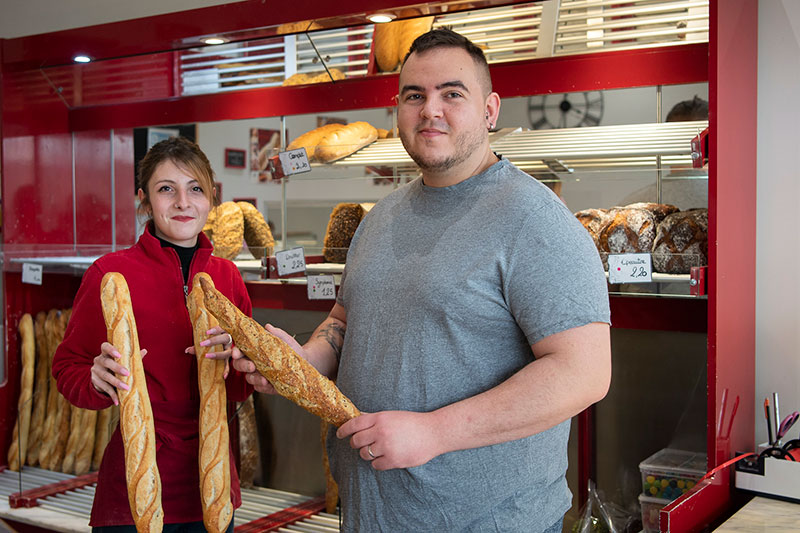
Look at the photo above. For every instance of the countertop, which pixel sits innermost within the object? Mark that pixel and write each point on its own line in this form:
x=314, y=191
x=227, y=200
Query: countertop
x=764, y=514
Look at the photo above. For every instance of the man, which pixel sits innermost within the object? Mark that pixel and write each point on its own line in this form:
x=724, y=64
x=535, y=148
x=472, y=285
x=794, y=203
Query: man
x=470, y=326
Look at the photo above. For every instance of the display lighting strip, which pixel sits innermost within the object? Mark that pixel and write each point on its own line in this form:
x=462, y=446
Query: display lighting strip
x=602, y=147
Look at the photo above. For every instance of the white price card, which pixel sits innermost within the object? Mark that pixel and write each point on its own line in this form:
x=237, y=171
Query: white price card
x=630, y=268
x=31, y=273
x=290, y=261
x=321, y=287
x=294, y=161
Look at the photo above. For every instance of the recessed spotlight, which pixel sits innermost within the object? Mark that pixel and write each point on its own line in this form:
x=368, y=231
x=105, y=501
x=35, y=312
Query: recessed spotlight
x=380, y=18
x=215, y=40
x=82, y=59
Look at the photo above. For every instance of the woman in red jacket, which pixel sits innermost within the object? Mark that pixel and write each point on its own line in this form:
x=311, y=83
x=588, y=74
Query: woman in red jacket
x=176, y=193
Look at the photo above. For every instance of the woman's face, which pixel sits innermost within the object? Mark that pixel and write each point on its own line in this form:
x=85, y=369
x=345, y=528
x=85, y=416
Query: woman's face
x=179, y=206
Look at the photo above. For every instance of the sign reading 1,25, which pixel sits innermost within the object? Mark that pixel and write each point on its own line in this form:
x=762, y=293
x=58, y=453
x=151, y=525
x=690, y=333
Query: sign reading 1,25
x=290, y=261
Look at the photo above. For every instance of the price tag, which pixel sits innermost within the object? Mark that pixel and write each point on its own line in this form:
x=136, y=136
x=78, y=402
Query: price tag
x=294, y=161
x=31, y=273
x=321, y=287
x=630, y=268
x=290, y=261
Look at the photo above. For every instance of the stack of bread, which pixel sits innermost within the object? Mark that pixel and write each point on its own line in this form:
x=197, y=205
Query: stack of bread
x=677, y=240
x=334, y=141
x=51, y=433
x=391, y=41
x=230, y=223
x=342, y=225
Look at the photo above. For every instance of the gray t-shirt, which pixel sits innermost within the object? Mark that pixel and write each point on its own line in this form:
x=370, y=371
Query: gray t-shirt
x=445, y=290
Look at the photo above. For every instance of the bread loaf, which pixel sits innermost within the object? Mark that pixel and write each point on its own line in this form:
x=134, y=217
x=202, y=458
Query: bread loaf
x=256, y=231
x=50, y=429
x=136, y=415
x=411, y=29
x=71, y=449
x=83, y=455
x=19, y=443
x=342, y=225
x=344, y=141
x=41, y=384
x=393, y=40
x=310, y=139
x=102, y=435
x=215, y=470
x=302, y=78
x=629, y=231
x=659, y=211
x=64, y=408
x=594, y=220
x=297, y=27
x=228, y=230
x=681, y=242
x=292, y=376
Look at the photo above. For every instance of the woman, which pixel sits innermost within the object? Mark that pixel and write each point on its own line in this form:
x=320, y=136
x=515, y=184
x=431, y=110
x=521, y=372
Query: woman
x=176, y=192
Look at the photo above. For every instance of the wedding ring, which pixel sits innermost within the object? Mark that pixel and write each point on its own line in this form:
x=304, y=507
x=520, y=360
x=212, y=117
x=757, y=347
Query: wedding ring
x=369, y=451
x=230, y=340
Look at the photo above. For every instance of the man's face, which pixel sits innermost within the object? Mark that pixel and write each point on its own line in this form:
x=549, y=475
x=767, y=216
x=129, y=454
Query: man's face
x=441, y=111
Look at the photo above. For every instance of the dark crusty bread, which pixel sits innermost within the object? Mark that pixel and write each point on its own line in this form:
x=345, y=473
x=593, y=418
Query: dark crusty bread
x=342, y=225
x=681, y=242
x=629, y=231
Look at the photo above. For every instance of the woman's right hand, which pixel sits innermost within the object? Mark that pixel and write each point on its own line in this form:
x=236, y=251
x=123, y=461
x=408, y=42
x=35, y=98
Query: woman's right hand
x=105, y=370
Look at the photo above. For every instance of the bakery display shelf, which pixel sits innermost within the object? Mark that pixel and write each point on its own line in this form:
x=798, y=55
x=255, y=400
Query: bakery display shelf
x=630, y=147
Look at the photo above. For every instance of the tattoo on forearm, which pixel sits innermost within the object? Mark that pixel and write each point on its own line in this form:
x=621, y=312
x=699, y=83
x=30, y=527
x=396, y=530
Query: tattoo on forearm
x=333, y=334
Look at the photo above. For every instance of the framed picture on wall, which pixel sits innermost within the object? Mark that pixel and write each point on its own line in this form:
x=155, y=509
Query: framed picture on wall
x=155, y=135
x=263, y=145
x=235, y=158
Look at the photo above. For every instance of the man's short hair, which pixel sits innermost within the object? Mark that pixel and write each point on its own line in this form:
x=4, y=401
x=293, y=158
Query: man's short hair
x=694, y=109
x=446, y=38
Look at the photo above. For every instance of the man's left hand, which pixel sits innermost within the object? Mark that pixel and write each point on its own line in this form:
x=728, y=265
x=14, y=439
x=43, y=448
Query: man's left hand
x=393, y=439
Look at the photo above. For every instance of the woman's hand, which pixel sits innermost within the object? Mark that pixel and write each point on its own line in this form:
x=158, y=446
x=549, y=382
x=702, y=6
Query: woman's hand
x=105, y=370
x=217, y=337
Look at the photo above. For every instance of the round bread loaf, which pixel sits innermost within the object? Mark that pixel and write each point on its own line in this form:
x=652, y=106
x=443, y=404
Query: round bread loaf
x=629, y=231
x=681, y=242
x=228, y=230
x=660, y=211
x=256, y=231
x=342, y=225
x=594, y=220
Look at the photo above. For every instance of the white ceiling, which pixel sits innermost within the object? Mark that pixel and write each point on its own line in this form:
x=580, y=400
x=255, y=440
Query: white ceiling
x=19, y=18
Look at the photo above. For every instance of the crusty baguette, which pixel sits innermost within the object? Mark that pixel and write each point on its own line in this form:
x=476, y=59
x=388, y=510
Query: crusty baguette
x=344, y=141
x=292, y=376
x=310, y=139
x=19, y=445
x=102, y=434
x=136, y=415
x=215, y=469
x=83, y=455
x=41, y=383
x=64, y=408
x=71, y=449
x=49, y=429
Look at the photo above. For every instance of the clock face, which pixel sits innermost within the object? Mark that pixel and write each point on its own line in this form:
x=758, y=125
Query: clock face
x=568, y=110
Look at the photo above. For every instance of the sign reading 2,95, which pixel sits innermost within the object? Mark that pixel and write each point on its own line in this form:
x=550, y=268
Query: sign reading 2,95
x=290, y=261
x=630, y=268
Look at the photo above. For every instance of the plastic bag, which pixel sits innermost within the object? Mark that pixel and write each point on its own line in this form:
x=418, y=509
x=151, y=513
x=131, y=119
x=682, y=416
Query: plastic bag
x=595, y=517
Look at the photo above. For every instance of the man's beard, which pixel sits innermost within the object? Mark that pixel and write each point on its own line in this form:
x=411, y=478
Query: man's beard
x=465, y=146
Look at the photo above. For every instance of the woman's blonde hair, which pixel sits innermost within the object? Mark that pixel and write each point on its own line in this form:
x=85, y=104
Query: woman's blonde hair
x=187, y=156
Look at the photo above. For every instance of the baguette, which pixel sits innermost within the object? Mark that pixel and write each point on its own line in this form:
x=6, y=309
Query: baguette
x=64, y=408
x=50, y=426
x=136, y=415
x=75, y=426
x=19, y=445
x=83, y=455
x=344, y=141
x=214, y=456
x=292, y=376
x=41, y=382
x=102, y=434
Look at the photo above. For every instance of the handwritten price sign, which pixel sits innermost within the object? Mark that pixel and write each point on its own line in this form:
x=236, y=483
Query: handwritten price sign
x=322, y=287
x=294, y=161
x=290, y=261
x=630, y=268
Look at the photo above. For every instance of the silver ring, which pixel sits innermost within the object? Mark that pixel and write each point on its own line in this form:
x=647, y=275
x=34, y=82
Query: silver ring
x=369, y=451
x=230, y=340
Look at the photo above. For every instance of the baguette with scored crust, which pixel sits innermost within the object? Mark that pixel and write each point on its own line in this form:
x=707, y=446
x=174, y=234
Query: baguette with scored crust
x=215, y=469
x=41, y=382
x=292, y=376
x=136, y=415
x=19, y=444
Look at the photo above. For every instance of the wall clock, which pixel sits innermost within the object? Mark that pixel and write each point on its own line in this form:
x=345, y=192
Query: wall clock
x=568, y=110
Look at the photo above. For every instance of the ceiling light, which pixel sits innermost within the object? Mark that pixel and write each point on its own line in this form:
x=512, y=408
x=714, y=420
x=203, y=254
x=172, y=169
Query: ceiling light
x=81, y=59
x=380, y=18
x=215, y=40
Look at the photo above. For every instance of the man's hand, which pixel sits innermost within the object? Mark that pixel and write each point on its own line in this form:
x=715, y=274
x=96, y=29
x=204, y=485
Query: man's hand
x=393, y=439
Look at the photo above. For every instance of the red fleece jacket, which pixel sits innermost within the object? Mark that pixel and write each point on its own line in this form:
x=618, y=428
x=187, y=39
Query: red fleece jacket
x=158, y=295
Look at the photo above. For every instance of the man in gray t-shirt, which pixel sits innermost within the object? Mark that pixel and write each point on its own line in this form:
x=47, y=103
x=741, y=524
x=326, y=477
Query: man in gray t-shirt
x=470, y=326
